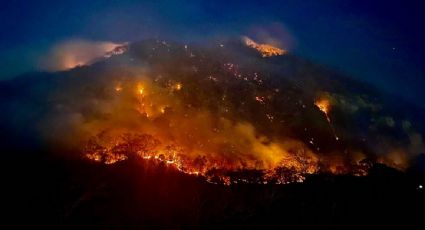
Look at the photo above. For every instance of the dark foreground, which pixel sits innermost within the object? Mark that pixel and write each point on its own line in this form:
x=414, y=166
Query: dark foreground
x=43, y=191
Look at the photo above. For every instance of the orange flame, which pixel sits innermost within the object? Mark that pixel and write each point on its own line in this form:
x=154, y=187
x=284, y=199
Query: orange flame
x=265, y=50
x=324, y=105
x=196, y=142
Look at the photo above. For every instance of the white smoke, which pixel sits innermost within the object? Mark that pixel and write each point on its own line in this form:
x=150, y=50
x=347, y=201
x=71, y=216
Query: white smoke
x=72, y=53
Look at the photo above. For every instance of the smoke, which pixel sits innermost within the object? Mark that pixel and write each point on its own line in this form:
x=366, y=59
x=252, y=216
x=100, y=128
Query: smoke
x=138, y=105
x=205, y=110
x=394, y=140
x=276, y=34
x=72, y=53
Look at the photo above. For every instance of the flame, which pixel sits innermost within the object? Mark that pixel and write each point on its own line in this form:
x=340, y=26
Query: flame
x=324, y=105
x=265, y=50
x=140, y=89
x=215, y=170
x=178, y=86
x=195, y=141
x=225, y=124
x=118, y=88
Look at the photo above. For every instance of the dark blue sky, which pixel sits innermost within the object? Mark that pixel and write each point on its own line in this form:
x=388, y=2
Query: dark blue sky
x=381, y=42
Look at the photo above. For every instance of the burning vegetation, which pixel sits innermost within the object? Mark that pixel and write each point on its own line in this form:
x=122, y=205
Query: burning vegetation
x=265, y=50
x=324, y=105
x=77, y=53
x=194, y=140
x=218, y=115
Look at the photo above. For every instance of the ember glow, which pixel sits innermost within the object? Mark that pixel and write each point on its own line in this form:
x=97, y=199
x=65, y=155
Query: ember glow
x=157, y=121
x=194, y=141
x=265, y=50
x=203, y=114
x=216, y=118
x=74, y=53
x=324, y=105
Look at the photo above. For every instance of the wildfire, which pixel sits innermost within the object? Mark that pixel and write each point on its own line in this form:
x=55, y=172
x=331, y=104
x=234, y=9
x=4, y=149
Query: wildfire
x=214, y=170
x=118, y=50
x=213, y=116
x=75, y=53
x=324, y=105
x=140, y=89
x=266, y=50
x=178, y=86
x=118, y=88
x=193, y=141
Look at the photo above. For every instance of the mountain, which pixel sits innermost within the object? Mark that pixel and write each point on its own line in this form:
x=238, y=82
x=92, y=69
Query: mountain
x=187, y=135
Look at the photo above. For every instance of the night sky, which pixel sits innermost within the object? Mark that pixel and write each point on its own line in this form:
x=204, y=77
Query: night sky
x=381, y=42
